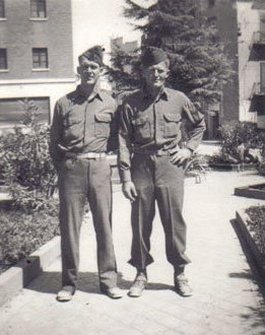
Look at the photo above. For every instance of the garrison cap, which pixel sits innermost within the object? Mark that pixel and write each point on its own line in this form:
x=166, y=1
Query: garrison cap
x=152, y=56
x=94, y=54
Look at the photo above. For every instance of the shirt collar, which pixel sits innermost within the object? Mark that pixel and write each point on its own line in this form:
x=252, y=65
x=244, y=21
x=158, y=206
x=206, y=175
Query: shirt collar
x=162, y=95
x=96, y=93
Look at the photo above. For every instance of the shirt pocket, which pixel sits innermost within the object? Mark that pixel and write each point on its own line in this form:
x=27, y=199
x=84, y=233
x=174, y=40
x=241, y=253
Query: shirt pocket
x=73, y=124
x=71, y=119
x=172, y=124
x=102, y=124
x=142, y=128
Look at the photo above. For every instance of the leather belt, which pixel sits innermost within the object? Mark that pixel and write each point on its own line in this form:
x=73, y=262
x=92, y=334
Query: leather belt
x=85, y=155
x=159, y=152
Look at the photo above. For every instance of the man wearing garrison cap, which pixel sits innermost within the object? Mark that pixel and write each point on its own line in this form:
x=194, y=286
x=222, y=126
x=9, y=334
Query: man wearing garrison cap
x=83, y=130
x=151, y=163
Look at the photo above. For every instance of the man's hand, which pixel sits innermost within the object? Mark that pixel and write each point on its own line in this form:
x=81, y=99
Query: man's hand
x=129, y=190
x=180, y=156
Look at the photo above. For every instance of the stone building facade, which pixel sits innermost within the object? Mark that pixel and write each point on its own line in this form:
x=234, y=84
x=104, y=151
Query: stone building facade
x=36, y=55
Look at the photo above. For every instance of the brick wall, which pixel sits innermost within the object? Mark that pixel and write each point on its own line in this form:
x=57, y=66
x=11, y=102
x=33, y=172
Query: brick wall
x=19, y=34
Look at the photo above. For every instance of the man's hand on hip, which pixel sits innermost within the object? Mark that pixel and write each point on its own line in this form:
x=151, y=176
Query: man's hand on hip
x=180, y=156
x=129, y=190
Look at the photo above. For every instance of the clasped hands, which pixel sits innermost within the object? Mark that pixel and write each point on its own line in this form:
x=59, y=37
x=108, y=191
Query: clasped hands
x=178, y=157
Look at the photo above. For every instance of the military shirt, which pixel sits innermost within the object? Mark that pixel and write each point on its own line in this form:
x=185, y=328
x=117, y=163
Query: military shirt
x=82, y=124
x=147, y=125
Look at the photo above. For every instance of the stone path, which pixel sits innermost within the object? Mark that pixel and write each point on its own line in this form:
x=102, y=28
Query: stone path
x=226, y=299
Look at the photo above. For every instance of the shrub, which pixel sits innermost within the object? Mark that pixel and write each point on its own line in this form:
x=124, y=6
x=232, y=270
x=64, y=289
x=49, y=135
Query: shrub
x=26, y=165
x=261, y=167
x=197, y=166
x=22, y=233
x=28, y=172
x=256, y=224
x=240, y=143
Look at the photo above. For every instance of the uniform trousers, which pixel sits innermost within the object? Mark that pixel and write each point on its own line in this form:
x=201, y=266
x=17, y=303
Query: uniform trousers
x=80, y=180
x=157, y=179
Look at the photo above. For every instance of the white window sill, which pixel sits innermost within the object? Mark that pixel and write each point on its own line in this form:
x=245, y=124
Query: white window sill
x=38, y=19
x=3, y=19
x=41, y=70
x=4, y=70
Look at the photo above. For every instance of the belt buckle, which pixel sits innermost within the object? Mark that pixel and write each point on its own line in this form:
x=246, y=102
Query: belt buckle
x=100, y=155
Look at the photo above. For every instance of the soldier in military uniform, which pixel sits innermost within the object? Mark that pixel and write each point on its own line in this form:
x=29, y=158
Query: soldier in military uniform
x=151, y=163
x=82, y=132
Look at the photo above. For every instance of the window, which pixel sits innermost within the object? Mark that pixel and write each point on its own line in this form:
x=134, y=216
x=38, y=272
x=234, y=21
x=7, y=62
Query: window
x=38, y=8
x=12, y=111
x=39, y=58
x=3, y=59
x=211, y=3
x=2, y=8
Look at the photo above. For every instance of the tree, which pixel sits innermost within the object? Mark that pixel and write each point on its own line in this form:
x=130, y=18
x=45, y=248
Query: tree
x=199, y=66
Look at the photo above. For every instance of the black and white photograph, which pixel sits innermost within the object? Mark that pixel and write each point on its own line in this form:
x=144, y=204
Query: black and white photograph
x=132, y=167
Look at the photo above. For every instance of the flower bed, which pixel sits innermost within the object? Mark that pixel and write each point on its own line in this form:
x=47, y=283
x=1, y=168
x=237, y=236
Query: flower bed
x=250, y=230
x=256, y=225
x=28, y=210
x=256, y=191
x=24, y=232
x=241, y=148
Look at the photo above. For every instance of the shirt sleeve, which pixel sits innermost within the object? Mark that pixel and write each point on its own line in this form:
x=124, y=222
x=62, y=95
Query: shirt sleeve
x=114, y=128
x=125, y=144
x=55, y=135
x=196, y=125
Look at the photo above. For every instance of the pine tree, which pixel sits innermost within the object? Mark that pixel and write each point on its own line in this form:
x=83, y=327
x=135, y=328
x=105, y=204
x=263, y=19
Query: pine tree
x=182, y=29
x=124, y=72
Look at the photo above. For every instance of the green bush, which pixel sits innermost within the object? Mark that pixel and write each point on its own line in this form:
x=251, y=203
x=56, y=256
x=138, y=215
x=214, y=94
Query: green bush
x=240, y=143
x=256, y=224
x=197, y=166
x=261, y=167
x=22, y=233
x=27, y=168
x=27, y=171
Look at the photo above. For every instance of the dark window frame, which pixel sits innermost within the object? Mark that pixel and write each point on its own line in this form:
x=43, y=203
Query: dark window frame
x=12, y=111
x=38, y=9
x=3, y=59
x=2, y=9
x=40, y=58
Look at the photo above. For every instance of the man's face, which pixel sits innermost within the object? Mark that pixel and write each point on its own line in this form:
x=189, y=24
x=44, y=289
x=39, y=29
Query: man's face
x=156, y=75
x=89, y=71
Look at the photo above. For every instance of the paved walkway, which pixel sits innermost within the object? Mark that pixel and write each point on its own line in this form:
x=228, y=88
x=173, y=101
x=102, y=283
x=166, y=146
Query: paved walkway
x=226, y=300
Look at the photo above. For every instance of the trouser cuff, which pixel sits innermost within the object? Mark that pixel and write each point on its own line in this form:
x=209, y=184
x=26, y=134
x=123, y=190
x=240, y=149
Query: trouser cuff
x=140, y=266
x=179, y=269
x=108, y=279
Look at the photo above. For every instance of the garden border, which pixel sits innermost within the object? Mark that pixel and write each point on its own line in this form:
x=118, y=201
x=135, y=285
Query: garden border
x=241, y=218
x=232, y=166
x=13, y=280
x=250, y=191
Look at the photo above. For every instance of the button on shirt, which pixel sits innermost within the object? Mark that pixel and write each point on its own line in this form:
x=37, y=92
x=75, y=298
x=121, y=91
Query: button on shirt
x=147, y=125
x=82, y=124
